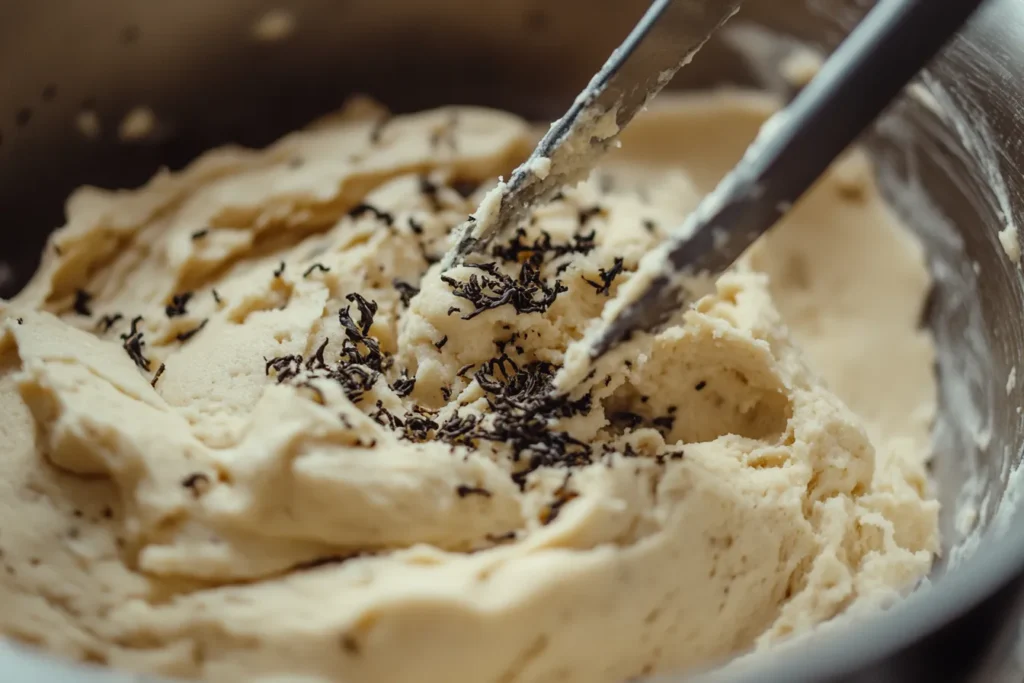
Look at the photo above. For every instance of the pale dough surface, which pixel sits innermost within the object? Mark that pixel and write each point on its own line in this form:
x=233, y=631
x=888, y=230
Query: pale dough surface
x=244, y=514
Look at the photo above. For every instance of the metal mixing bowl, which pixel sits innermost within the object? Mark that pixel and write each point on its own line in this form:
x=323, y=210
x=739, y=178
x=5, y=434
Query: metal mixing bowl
x=948, y=156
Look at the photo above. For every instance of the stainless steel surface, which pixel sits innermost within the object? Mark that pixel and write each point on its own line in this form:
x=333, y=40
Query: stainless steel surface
x=888, y=48
x=957, y=144
x=667, y=36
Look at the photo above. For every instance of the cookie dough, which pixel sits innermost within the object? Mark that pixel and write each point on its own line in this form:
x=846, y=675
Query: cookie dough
x=250, y=431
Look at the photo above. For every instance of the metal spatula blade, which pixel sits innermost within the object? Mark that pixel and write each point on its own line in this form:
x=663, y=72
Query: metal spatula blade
x=664, y=40
x=866, y=73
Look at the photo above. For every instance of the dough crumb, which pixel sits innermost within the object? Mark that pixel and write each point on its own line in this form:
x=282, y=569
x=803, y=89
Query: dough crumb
x=800, y=66
x=274, y=26
x=137, y=125
x=87, y=122
x=1011, y=243
x=541, y=167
